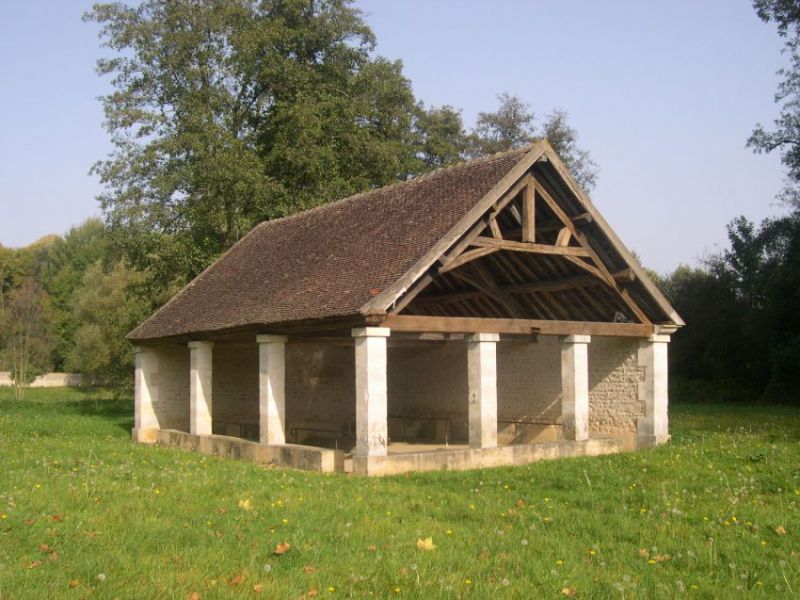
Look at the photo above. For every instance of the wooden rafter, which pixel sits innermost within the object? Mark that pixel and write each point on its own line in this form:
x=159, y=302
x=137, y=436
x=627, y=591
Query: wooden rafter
x=578, y=281
x=599, y=264
x=466, y=257
x=488, y=280
x=491, y=291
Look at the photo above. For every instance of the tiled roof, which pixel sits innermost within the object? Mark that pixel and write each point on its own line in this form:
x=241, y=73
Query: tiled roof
x=328, y=261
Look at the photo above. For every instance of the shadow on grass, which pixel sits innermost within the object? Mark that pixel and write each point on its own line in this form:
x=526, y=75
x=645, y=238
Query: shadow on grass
x=116, y=410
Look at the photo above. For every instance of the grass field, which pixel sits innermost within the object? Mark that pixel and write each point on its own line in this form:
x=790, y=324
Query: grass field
x=84, y=513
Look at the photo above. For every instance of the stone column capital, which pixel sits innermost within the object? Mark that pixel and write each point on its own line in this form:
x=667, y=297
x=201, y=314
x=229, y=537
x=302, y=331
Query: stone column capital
x=482, y=337
x=271, y=339
x=200, y=344
x=383, y=332
x=659, y=338
x=576, y=339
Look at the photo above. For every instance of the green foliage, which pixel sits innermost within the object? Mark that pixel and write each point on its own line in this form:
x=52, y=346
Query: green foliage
x=700, y=517
x=784, y=137
x=25, y=332
x=228, y=113
x=743, y=324
x=109, y=303
x=514, y=125
x=440, y=136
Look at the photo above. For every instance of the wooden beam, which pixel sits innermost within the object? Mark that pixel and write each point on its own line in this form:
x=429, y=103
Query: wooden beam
x=609, y=233
x=584, y=242
x=508, y=301
x=495, y=229
x=412, y=293
x=481, y=225
x=529, y=211
x=466, y=257
x=514, y=326
x=487, y=242
x=588, y=268
x=625, y=276
x=518, y=288
x=490, y=291
x=563, y=238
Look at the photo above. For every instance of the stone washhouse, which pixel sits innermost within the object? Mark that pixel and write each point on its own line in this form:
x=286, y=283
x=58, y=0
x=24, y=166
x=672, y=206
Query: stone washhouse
x=482, y=315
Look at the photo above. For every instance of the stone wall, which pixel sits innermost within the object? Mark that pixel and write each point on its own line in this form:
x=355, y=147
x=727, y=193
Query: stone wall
x=48, y=380
x=614, y=376
x=234, y=385
x=171, y=385
x=427, y=397
x=320, y=390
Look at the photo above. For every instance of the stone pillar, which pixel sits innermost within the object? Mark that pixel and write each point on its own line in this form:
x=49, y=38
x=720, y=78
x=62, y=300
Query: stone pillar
x=575, y=386
x=653, y=427
x=272, y=389
x=372, y=436
x=200, y=388
x=482, y=382
x=145, y=422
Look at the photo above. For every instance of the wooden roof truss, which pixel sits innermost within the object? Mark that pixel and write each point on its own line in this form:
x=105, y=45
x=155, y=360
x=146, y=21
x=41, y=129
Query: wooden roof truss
x=526, y=260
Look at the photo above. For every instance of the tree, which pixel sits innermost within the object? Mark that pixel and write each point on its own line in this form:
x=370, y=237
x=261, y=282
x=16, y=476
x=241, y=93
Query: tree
x=564, y=140
x=228, y=112
x=108, y=304
x=785, y=136
x=60, y=272
x=514, y=125
x=26, y=335
x=440, y=136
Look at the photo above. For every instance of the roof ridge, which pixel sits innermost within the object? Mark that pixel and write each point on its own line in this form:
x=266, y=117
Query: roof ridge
x=407, y=183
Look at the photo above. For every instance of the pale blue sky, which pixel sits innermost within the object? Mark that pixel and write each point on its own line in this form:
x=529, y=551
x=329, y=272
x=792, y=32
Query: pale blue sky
x=664, y=95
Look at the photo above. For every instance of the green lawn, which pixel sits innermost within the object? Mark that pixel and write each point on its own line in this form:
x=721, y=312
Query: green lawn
x=84, y=513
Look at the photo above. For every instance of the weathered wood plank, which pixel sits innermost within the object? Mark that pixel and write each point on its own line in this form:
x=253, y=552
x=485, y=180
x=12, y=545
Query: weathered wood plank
x=466, y=257
x=529, y=211
x=514, y=326
x=564, y=236
x=512, y=246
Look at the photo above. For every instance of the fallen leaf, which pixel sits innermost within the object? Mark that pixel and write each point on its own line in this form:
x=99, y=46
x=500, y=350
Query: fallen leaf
x=258, y=588
x=73, y=583
x=235, y=580
x=780, y=530
x=193, y=596
x=44, y=548
x=245, y=504
x=58, y=518
x=309, y=569
x=568, y=591
x=426, y=544
x=29, y=521
x=312, y=593
x=35, y=564
x=372, y=547
x=281, y=548
x=661, y=557
x=53, y=556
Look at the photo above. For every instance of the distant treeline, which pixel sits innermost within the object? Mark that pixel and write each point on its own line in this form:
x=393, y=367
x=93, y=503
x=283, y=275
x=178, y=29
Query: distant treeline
x=742, y=311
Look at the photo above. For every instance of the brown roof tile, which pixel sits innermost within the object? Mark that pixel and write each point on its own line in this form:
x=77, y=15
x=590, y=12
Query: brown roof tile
x=328, y=261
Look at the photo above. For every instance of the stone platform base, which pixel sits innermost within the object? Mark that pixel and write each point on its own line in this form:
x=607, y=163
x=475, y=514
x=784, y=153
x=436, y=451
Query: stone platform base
x=459, y=459
x=448, y=458
x=306, y=458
